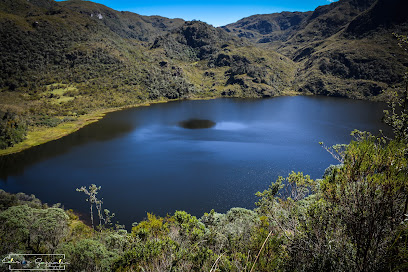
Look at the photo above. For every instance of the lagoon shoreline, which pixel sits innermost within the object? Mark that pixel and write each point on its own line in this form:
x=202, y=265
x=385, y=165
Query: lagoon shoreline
x=39, y=136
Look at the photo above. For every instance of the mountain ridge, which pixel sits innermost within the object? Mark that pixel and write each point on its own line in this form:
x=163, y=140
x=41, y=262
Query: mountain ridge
x=344, y=47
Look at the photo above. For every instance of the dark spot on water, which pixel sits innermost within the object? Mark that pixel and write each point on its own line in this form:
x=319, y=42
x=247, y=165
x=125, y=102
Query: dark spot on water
x=197, y=124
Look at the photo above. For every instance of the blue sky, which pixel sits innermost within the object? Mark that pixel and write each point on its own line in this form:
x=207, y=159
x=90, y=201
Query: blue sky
x=217, y=13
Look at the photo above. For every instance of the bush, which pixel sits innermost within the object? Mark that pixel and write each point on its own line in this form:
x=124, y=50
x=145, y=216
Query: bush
x=32, y=230
x=88, y=255
x=355, y=216
x=13, y=129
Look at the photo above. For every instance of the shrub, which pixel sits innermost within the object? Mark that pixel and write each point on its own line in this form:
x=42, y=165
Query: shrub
x=13, y=129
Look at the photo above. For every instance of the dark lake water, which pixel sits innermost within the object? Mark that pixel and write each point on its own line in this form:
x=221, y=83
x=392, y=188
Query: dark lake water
x=148, y=159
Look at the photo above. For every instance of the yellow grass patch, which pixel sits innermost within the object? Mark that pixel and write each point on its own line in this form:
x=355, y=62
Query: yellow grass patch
x=39, y=136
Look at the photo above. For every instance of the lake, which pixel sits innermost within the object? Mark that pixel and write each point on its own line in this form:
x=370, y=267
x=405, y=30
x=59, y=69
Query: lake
x=157, y=159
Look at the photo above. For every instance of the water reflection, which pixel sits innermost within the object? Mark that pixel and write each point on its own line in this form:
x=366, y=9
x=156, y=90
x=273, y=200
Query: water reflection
x=197, y=124
x=14, y=164
x=230, y=126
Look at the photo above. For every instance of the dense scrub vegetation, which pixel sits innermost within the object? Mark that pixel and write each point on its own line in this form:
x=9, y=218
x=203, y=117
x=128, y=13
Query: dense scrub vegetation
x=12, y=129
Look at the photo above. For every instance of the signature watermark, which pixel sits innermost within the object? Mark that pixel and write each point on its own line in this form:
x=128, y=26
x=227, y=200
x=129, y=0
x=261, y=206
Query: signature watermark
x=35, y=262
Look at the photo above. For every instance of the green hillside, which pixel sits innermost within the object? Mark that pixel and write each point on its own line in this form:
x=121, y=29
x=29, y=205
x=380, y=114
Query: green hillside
x=343, y=49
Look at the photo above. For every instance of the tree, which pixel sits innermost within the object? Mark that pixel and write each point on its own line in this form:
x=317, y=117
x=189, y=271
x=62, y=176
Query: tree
x=14, y=229
x=279, y=202
x=152, y=227
x=92, y=192
x=397, y=114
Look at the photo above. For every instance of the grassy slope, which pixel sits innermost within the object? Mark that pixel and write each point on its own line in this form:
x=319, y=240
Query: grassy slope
x=343, y=49
x=360, y=68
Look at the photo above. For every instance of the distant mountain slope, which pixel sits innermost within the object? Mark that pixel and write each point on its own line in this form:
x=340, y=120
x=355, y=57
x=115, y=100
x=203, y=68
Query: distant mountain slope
x=69, y=58
x=345, y=48
x=361, y=59
x=223, y=62
x=328, y=20
x=268, y=27
x=391, y=14
x=125, y=24
x=301, y=27
x=49, y=46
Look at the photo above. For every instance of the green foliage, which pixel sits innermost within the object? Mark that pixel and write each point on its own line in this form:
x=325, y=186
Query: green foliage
x=188, y=225
x=398, y=252
x=88, y=255
x=13, y=129
x=48, y=229
x=296, y=187
x=351, y=223
x=337, y=151
x=150, y=255
x=268, y=198
x=231, y=230
x=8, y=200
x=153, y=227
x=36, y=230
x=48, y=121
x=397, y=115
x=14, y=226
x=370, y=190
x=116, y=240
x=329, y=171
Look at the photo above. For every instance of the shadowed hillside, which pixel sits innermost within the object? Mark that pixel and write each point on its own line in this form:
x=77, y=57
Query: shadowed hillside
x=125, y=24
